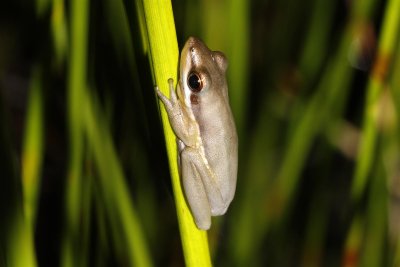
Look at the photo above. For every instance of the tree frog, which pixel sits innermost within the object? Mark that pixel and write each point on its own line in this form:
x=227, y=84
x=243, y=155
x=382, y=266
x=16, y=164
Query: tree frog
x=202, y=121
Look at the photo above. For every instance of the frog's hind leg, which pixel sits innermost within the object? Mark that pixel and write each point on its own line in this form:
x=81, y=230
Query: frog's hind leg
x=201, y=189
x=195, y=193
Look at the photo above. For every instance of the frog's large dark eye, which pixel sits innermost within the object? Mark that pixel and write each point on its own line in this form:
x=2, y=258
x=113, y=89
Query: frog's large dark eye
x=194, y=81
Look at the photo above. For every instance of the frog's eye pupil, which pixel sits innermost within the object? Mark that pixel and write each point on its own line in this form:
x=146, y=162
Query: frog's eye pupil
x=195, y=83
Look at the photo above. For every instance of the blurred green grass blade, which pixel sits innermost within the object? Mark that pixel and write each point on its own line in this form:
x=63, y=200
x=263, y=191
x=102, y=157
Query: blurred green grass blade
x=164, y=58
x=77, y=69
x=377, y=81
x=21, y=243
x=114, y=186
x=59, y=31
x=141, y=20
x=394, y=84
x=119, y=29
x=313, y=248
x=316, y=43
x=354, y=241
x=364, y=9
x=32, y=155
x=42, y=6
x=389, y=158
x=238, y=46
x=102, y=248
x=373, y=251
x=86, y=212
x=213, y=13
x=21, y=247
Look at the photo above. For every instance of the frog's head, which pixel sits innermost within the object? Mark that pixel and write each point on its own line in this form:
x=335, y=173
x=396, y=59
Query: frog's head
x=202, y=72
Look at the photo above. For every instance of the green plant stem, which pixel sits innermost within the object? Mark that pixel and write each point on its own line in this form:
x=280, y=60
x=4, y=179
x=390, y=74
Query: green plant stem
x=164, y=59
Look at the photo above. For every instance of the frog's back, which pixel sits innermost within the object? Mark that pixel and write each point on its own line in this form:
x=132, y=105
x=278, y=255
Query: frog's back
x=220, y=142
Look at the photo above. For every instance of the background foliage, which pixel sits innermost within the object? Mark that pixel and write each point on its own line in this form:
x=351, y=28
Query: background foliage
x=315, y=90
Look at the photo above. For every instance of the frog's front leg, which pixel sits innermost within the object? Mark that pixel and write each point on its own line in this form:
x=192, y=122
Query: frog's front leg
x=173, y=108
x=201, y=189
x=180, y=123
